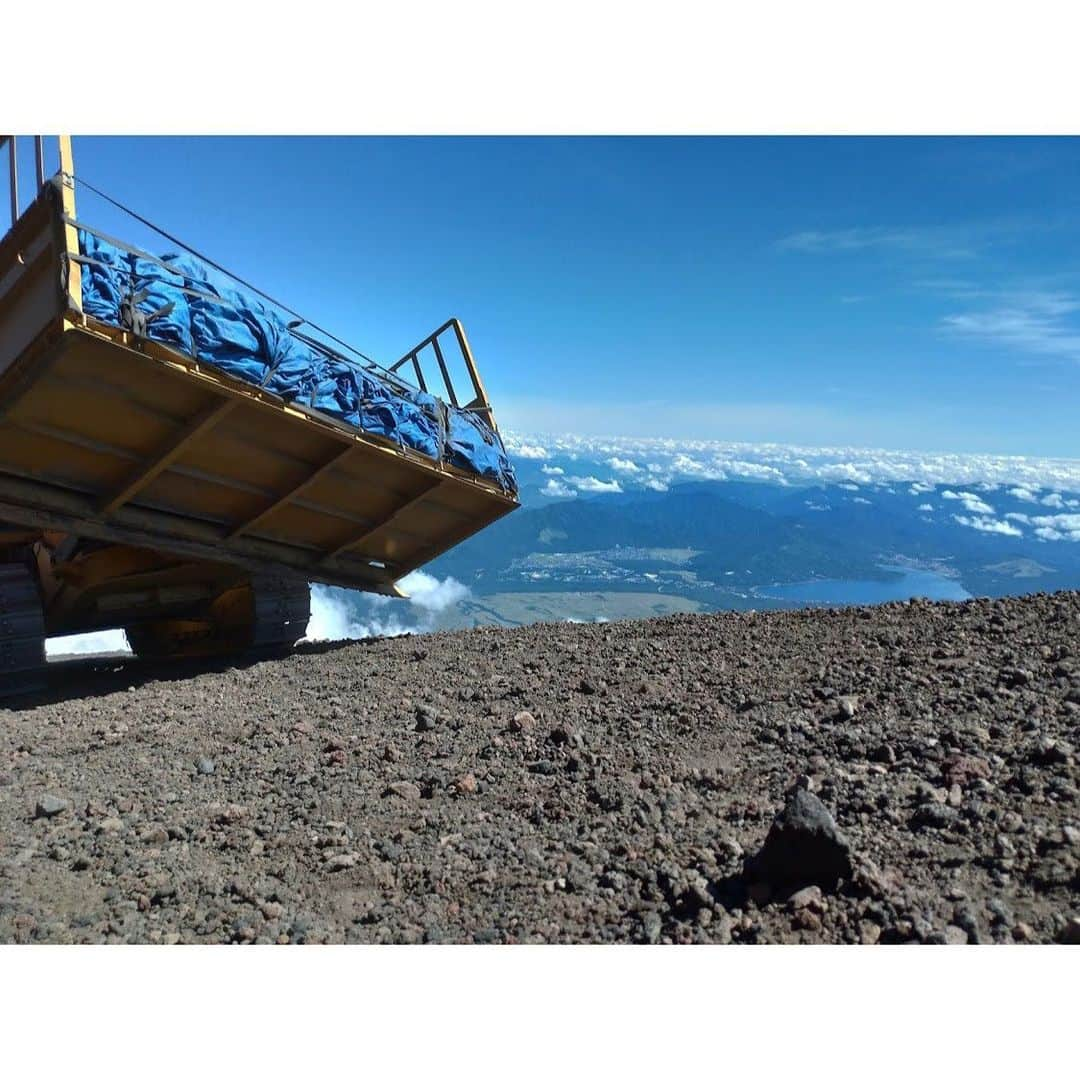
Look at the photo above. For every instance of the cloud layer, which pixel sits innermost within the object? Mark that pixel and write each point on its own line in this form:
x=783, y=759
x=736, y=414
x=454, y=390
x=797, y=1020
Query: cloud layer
x=668, y=460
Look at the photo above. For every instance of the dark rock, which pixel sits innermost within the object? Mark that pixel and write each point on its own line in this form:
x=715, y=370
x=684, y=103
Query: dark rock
x=1070, y=932
x=803, y=847
x=48, y=806
x=933, y=815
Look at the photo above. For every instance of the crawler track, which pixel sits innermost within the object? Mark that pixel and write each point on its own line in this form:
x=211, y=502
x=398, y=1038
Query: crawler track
x=22, y=632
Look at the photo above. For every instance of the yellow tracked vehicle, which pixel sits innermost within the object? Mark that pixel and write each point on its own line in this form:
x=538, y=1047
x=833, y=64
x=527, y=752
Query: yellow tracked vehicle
x=180, y=459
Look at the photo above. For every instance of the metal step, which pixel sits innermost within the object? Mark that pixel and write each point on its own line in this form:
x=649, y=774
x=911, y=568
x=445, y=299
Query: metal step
x=22, y=632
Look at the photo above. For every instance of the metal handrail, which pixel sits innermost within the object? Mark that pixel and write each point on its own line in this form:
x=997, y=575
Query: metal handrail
x=13, y=169
x=479, y=403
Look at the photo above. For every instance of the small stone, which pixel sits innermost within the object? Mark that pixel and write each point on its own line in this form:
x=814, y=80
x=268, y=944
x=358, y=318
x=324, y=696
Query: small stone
x=466, y=785
x=154, y=834
x=427, y=716
x=933, y=815
x=391, y=753
x=48, y=806
x=110, y=825
x=884, y=754
x=1070, y=932
x=721, y=927
x=1022, y=932
x=955, y=935
x=403, y=789
x=847, y=706
x=522, y=721
x=805, y=919
x=204, y=766
x=810, y=897
x=963, y=769
x=586, y=687
x=869, y=932
x=342, y=861
x=652, y=927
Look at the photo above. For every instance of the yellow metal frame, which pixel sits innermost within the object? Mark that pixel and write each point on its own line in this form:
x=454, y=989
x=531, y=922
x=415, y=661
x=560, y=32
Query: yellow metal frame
x=107, y=435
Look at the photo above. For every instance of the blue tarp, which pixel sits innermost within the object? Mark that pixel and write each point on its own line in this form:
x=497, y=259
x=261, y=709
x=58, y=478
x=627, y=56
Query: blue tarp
x=221, y=326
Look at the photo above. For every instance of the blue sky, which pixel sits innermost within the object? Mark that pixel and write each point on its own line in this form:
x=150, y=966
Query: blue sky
x=915, y=294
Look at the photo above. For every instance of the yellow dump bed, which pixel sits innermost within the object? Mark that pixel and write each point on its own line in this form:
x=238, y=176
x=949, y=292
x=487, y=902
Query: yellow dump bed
x=111, y=436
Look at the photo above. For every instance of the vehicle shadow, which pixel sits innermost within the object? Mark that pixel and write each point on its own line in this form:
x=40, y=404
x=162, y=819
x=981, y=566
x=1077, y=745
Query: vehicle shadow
x=80, y=678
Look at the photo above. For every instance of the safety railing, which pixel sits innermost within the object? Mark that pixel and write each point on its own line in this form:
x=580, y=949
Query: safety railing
x=11, y=143
x=419, y=359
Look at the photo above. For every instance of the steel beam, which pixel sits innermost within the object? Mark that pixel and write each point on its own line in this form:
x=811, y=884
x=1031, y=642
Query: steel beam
x=260, y=517
x=360, y=537
x=167, y=455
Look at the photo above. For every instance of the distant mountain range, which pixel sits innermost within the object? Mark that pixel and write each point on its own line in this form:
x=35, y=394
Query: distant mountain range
x=600, y=539
x=728, y=543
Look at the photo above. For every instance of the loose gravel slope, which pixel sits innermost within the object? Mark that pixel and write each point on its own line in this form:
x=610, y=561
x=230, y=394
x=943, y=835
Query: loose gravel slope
x=562, y=783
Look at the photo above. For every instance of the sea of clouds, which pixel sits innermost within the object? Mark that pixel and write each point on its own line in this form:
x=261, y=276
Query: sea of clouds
x=636, y=461
x=570, y=463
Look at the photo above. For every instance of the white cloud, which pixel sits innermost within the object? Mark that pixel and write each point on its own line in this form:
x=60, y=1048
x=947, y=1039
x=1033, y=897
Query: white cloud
x=525, y=450
x=926, y=507
x=919, y=488
x=1053, y=500
x=556, y=489
x=623, y=465
x=552, y=470
x=1023, y=494
x=427, y=592
x=340, y=614
x=754, y=471
x=988, y=525
x=865, y=502
x=1057, y=526
x=939, y=241
x=1034, y=322
x=972, y=503
x=591, y=484
x=655, y=484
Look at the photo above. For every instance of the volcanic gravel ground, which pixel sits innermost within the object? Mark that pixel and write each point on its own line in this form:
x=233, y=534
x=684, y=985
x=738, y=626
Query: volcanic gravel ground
x=565, y=783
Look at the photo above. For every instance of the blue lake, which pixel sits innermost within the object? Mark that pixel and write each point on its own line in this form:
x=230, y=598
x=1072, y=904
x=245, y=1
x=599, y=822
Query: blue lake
x=908, y=584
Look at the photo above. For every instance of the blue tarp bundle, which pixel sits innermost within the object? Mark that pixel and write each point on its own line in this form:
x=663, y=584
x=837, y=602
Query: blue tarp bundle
x=248, y=340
